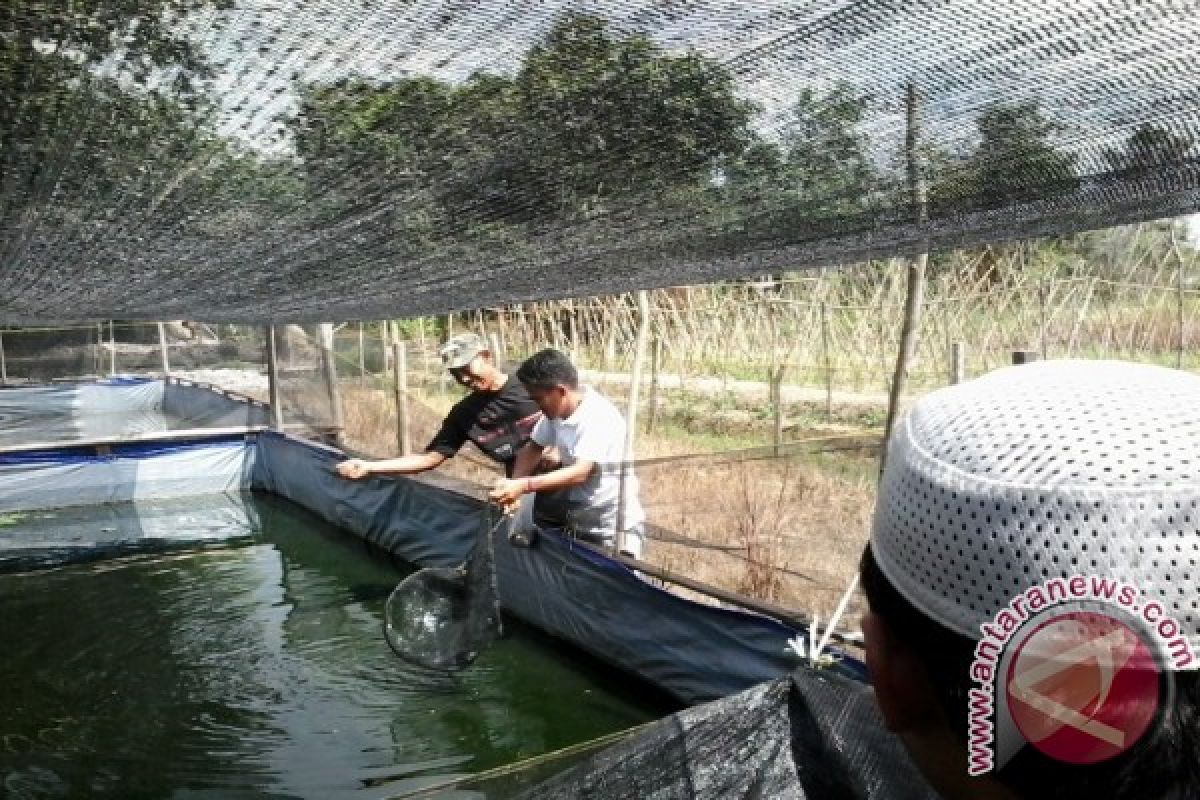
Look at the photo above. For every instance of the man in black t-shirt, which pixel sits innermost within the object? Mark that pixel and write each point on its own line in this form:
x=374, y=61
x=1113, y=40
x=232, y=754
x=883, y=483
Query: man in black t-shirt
x=498, y=416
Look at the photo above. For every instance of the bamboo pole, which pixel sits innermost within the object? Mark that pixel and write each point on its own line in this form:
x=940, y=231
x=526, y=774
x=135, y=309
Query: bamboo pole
x=329, y=371
x=635, y=385
x=162, y=350
x=273, y=381
x=400, y=389
x=915, y=294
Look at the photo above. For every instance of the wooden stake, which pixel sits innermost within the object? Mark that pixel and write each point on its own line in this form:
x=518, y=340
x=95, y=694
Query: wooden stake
x=273, y=381
x=655, y=365
x=400, y=389
x=915, y=294
x=635, y=385
x=362, y=355
x=828, y=361
x=162, y=350
x=329, y=370
x=497, y=353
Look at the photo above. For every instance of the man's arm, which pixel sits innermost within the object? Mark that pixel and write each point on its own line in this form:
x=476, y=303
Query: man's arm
x=528, y=458
x=356, y=469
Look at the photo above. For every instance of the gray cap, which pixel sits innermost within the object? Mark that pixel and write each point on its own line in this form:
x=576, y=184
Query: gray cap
x=1043, y=471
x=461, y=350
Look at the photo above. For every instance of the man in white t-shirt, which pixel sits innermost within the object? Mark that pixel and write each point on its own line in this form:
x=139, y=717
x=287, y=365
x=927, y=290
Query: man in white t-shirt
x=589, y=433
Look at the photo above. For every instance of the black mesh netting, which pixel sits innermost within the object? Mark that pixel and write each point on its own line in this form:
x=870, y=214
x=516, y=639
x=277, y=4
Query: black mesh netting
x=329, y=159
x=813, y=736
x=441, y=617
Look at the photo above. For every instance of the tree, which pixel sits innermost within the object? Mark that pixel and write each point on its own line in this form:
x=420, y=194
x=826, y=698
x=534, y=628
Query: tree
x=1149, y=148
x=827, y=166
x=1014, y=162
x=589, y=121
x=57, y=59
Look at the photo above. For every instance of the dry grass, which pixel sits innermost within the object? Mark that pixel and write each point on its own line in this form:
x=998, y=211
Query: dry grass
x=778, y=530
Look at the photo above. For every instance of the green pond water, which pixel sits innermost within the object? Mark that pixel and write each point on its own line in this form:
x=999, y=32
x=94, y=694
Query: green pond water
x=255, y=666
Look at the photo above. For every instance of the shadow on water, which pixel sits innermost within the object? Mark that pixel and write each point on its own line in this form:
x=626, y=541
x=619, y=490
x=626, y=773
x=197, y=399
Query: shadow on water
x=258, y=669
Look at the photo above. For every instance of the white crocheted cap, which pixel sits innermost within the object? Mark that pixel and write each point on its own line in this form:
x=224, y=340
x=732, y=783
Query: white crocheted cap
x=1047, y=470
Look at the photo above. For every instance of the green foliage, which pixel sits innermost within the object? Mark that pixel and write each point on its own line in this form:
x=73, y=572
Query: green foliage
x=113, y=106
x=827, y=166
x=1014, y=161
x=1150, y=147
x=591, y=120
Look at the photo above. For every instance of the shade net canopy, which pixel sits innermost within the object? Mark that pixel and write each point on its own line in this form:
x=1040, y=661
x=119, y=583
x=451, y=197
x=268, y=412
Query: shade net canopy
x=303, y=160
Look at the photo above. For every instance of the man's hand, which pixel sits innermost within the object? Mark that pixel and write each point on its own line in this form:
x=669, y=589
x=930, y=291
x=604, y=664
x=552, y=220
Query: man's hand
x=507, y=494
x=354, y=469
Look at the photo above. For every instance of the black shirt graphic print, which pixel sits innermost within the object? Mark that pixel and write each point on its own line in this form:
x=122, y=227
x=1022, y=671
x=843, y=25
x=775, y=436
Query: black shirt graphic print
x=499, y=423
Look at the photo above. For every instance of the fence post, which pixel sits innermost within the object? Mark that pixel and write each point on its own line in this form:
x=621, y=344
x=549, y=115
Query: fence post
x=828, y=359
x=385, y=343
x=1179, y=308
x=1023, y=357
x=362, y=354
x=635, y=385
x=329, y=369
x=112, y=349
x=777, y=409
x=400, y=388
x=916, y=273
x=162, y=350
x=273, y=381
x=3, y=364
x=655, y=364
x=497, y=354
x=1042, y=291
x=958, y=362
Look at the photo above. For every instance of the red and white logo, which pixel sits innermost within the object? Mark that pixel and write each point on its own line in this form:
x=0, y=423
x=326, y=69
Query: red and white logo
x=1083, y=687
x=1077, y=667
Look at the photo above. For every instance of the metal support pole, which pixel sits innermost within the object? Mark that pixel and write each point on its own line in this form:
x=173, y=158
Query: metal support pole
x=273, y=381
